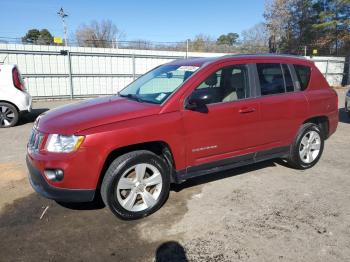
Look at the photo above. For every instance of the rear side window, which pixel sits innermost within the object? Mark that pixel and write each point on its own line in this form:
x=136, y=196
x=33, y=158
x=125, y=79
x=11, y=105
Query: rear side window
x=303, y=74
x=271, y=79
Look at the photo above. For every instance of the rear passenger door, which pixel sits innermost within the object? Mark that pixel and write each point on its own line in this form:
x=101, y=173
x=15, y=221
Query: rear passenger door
x=282, y=106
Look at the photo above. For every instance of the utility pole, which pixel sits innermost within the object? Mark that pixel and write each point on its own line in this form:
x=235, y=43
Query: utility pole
x=116, y=43
x=63, y=15
x=187, y=47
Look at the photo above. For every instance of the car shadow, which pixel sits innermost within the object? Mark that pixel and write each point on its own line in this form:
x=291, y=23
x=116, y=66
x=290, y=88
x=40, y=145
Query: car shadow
x=343, y=116
x=225, y=174
x=31, y=116
x=171, y=251
x=96, y=204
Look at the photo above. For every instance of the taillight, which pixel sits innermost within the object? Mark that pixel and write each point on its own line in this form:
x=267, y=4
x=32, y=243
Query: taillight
x=17, y=82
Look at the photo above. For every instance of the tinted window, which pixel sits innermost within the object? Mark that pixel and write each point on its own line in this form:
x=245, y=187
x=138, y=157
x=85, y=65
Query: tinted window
x=271, y=79
x=288, y=79
x=225, y=85
x=303, y=74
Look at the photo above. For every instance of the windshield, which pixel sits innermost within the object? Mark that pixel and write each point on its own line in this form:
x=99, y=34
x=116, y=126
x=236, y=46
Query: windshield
x=157, y=85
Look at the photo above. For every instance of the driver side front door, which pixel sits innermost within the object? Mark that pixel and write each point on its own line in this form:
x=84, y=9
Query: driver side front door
x=230, y=125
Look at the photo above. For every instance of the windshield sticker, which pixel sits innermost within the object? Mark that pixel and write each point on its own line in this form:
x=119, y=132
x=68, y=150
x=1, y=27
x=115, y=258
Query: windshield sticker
x=160, y=97
x=188, y=68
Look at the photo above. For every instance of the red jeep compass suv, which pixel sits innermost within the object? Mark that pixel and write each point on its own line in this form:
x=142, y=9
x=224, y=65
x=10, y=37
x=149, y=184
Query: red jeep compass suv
x=181, y=120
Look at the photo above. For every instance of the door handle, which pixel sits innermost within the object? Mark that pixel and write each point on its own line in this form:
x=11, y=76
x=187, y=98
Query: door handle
x=246, y=110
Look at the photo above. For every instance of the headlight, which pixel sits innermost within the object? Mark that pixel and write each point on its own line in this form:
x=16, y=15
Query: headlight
x=63, y=144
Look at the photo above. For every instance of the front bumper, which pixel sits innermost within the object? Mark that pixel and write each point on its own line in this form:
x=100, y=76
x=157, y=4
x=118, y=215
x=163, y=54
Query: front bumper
x=24, y=102
x=40, y=185
x=30, y=104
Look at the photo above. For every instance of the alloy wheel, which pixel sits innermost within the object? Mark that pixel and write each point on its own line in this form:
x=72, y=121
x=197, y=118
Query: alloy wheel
x=139, y=187
x=7, y=116
x=310, y=146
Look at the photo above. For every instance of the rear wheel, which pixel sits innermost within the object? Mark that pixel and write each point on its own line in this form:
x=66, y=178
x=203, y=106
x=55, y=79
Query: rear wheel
x=307, y=148
x=347, y=108
x=8, y=115
x=136, y=185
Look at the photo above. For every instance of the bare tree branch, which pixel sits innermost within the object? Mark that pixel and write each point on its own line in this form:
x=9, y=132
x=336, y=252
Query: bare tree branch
x=99, y=34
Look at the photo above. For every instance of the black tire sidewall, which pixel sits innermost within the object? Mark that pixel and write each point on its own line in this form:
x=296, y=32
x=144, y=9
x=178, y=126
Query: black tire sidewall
x=296, y=156
x=114, y=173
x=15, y=111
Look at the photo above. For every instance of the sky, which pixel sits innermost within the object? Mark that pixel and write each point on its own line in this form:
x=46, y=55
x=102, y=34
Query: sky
x=153, y=20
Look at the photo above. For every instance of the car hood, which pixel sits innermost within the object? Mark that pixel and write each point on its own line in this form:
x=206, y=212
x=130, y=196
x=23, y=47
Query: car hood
x=71, y=119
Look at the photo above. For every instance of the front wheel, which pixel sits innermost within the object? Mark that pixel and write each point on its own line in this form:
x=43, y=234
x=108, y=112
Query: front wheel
x=136, y=184
x=307, y=147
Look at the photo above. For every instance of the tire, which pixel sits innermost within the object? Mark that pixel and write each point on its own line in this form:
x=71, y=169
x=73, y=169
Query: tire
x=346, y=109
x=9, y=115
x=307, y=148
x=136, y=185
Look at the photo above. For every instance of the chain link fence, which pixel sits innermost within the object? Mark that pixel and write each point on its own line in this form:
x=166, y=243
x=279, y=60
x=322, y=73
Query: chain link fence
x=196, y=45
x=67, y=72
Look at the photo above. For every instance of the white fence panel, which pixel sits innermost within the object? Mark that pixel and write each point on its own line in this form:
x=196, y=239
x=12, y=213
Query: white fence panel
x=102, y=71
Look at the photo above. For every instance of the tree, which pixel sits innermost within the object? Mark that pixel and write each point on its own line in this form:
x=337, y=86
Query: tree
x=256, y=38
x=42, y=37
x=45, y=37
x=98, y=34
x=229, y=39
x=319, y=24
x=201, y=43
x=277, y=16
x=303, y=15
x=333, y=24
x=31, y=36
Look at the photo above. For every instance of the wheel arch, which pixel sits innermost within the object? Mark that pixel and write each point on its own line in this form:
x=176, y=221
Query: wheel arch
x=159, y=148
x=4, y=101
x=322, y=122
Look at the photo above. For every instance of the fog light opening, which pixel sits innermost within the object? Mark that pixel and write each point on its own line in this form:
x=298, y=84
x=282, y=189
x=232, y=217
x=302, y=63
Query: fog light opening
x=54, y=174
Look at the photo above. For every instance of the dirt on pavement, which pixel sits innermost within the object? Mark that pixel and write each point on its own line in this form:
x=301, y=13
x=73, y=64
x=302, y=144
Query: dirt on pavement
x=263, y=212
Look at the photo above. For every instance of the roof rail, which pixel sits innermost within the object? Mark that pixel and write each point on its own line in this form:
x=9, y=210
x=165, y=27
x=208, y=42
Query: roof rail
x=267, y=55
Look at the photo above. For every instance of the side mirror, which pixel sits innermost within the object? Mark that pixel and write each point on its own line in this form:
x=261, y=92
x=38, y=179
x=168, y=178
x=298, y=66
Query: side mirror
x=198, y=103
x=169, y=75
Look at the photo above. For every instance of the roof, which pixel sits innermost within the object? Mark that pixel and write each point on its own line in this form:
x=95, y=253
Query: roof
x=203, y=60
x=194, y=61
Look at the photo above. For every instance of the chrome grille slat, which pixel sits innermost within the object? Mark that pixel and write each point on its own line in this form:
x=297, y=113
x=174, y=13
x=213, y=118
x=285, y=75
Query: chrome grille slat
x=35, y=140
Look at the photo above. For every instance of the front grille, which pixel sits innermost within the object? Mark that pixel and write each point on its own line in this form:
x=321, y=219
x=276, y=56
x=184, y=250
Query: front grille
x=35, y=140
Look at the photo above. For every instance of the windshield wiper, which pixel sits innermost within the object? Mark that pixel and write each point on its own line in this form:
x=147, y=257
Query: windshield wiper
x=132, y=96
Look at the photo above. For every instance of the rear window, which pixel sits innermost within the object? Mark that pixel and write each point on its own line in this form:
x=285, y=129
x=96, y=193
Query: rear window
x=303, y=75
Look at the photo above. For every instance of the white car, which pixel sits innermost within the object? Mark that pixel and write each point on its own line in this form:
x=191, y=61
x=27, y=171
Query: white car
x=14, y=100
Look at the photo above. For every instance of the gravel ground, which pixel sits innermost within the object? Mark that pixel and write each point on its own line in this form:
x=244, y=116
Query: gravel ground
x=264, y=212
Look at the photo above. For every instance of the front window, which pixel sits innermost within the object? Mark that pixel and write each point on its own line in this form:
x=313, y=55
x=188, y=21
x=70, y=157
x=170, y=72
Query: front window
x=157, y=85
x=228, y=84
